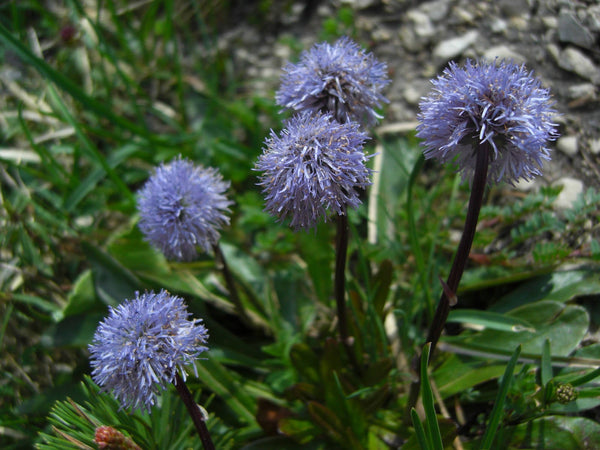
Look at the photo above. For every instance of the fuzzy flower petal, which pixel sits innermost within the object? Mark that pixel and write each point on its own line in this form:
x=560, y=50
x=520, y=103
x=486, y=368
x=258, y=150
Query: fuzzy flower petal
x=142, y=344
x=340, y=79
x=183, y=207
x=500, y=104
x=314, y=167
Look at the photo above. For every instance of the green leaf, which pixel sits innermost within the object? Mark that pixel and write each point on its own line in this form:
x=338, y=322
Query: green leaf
x=431, y=423
x=559, y=286
x=489, y=320
x=82, y=298
x=73, y=331
x=498, y=409
x=382, y=282
x=560, y=432
x=546, y=364
x=457, y=375
x=113, y=282
x=230, y=389
x=564, y=325
x=419, y=431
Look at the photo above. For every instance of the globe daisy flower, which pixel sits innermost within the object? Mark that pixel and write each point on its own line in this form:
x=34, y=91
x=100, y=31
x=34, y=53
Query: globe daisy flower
x=143, y=345
x=182, y=208
x=313, y=168
x=499, y=104
x=340, y=79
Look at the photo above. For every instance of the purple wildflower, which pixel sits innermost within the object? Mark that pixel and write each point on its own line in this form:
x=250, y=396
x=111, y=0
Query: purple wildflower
x=499, y=104
x=138, y=349
x=340, y=79
x=182, y=207
x=314, y=167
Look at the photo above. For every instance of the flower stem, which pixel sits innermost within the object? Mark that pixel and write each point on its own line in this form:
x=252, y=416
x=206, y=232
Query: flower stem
x=195, y=412
x=448, y=297
x=341, y=252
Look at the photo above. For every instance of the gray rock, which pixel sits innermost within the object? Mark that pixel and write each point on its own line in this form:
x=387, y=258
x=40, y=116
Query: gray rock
x=421, y=24
x=436, y=10
x=409, y=40
x=503, y=52
x=581, y=91
x=572, y=188
x=359, y=4
x=594, y=146
x=554, y=51
x=451, y=48
x=498, y=25
x=415, y=90
x=567, y=145
x=575, y=61
x=570, y=30
x=592, y=19
x=550, y=22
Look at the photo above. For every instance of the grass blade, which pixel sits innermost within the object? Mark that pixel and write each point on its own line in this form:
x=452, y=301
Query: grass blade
x=419, y=431
x=546, y=364
x=498, y=409
x=431, y=423
x=67, y=85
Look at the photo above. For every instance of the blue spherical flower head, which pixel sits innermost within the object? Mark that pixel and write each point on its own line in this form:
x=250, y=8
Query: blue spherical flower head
x=138, y=349
x=340, y=79
x=182, y=208
x=313, y=168
x=502, y=105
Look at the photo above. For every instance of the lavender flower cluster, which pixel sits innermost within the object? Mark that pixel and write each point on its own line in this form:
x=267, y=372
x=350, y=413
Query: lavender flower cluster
x=340, y=79
x=317, y=164
x=501, y=105
x=314, y=167
x=138, y=349
x=182, y=208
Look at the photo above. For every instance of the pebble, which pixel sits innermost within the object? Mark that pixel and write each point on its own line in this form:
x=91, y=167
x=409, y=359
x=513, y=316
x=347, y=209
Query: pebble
x=582, y=91
x=572, y=189
x=575, y=61
x=570, y=30
x=447, y=50
x=503, y=52
x=594, y=146
x=436, y=10
x=567, y=145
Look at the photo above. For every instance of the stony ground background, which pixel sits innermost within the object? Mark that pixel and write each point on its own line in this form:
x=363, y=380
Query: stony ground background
x=557, y=39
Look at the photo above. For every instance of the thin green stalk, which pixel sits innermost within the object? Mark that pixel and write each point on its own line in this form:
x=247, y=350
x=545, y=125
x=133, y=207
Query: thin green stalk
x=341, y=252
x=497, y=410
x=431, y=424
x=419, y=431
x=195, y=412
x=339, y=286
